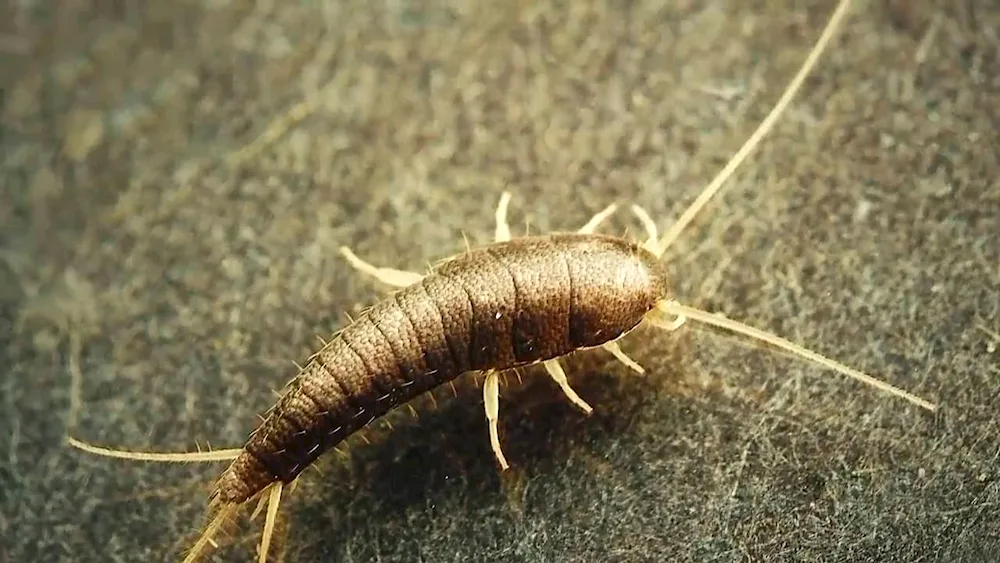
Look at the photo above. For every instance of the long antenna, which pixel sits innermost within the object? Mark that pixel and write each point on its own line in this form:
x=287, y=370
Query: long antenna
x=678, y=310
x=763, y=129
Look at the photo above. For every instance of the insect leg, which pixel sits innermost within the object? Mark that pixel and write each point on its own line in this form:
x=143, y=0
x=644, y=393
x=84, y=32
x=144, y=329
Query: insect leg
x=388, y=276
x=596, y=220
x=503, y=228
x=491, y=400
x=658, y=319
x=649, y=225
x=557, y=373
x=619, y=355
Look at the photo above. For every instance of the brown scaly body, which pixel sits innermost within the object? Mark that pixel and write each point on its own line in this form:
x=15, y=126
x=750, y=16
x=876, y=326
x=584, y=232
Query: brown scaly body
x=497, y=307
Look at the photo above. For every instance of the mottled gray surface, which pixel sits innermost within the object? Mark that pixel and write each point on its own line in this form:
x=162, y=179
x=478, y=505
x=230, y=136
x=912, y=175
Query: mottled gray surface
x=182, y=277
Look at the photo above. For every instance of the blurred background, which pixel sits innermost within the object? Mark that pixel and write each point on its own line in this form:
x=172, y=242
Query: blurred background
x=176, y=178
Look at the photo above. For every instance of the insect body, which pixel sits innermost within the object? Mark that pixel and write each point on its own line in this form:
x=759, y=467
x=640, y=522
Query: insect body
x=498, y=307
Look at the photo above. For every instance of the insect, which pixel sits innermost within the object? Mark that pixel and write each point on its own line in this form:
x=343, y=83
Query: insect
x=512, y=303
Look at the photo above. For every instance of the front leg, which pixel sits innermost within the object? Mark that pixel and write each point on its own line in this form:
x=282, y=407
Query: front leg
x=388, y=276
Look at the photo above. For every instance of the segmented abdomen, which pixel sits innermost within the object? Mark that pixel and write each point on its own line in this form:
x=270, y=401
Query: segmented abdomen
x=497, y=307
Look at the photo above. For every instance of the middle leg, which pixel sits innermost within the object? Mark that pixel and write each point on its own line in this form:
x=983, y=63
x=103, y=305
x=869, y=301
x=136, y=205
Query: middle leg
x=491, y=403
x=556, y=372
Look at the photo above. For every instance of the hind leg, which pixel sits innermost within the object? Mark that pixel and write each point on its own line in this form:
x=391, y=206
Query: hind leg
x=388, y=276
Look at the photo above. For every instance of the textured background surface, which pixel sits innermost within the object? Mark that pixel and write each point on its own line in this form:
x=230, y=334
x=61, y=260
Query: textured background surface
x=146, y=242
